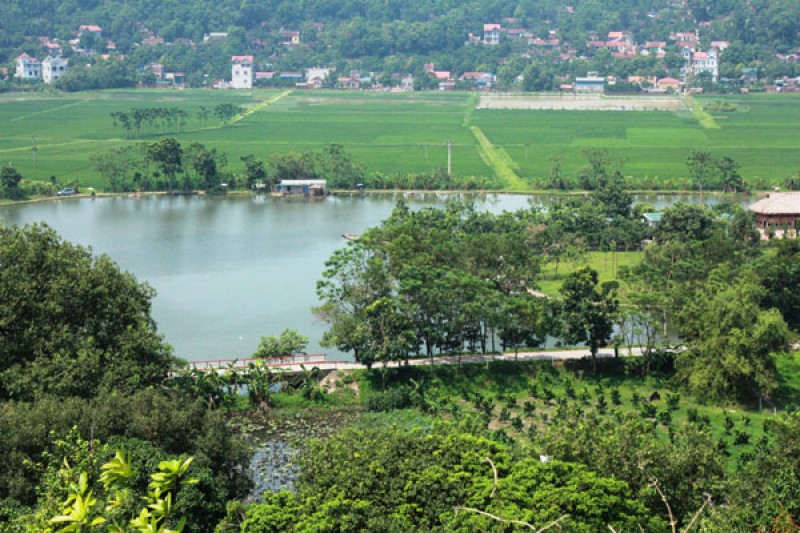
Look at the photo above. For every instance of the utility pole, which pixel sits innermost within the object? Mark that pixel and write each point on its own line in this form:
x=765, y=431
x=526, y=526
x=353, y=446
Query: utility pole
x=449, y=157
x=34, y=150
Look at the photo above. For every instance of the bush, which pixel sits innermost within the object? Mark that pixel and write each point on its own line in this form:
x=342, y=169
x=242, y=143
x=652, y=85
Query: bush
x=389, y=400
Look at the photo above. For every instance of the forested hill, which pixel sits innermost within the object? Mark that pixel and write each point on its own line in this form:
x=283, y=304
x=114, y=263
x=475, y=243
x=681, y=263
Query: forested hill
x=384, y=35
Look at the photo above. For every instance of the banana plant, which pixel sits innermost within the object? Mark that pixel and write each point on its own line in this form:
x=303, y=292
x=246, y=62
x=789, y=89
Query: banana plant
x=79, y=513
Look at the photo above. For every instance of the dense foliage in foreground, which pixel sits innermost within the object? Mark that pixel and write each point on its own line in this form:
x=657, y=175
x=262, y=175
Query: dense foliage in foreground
x=81, y=361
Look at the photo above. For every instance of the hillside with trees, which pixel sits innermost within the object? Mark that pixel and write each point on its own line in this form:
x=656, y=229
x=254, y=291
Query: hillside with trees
x=541, y=39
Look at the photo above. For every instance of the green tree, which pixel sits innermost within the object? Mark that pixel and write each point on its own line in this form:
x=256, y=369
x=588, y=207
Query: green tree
x=731, y=340
x=728, y=169
x=780, y=276
x=588, y=311
x=287, y=344
x=168, y=156
x=72, y=324
x=254, y=170
x=206, y=166
x=685, y=223
x=702, y=168
x=9, y=183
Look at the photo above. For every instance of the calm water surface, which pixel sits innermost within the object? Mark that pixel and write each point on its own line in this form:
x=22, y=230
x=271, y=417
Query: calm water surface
x=231, y=270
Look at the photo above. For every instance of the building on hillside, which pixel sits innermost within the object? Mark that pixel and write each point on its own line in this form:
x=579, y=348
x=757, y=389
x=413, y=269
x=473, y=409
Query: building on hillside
x=53, y=68
x=152, y=40
x=28, y=68
x=705, y=63
x=215, y=37
x=491, y=34
x=53, y=49
x=290, y=38
x=590, y=84
x=778, y=213
x=90, y=28
x=242, y=74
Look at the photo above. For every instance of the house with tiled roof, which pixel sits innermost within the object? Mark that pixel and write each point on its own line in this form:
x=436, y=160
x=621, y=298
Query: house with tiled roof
x=91, y=28
x=242, y=72
x=777, y=212
x=28, y=68
x=705, y=62
x=491, y=34
x=669, y=83
x=53, y=49
x=290, y=37
x=53, y=68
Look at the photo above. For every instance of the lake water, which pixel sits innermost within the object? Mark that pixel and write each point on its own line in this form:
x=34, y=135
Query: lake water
x=231, y=270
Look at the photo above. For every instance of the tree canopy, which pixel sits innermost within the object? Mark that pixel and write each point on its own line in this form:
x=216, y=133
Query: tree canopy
x=71, y=323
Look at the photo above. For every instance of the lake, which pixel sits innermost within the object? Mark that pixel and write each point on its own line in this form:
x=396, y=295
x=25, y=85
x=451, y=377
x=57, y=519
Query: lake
x=231, y=270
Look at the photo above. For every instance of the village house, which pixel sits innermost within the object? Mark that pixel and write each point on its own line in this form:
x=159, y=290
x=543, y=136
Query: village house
x=53, y=49
x=491, y=34
x=28, y=68
x=91, y=28
x=778, y=214
x=264, y=76
x=352, y=82
x=302, y=187
x=290, y=38
x=53, y=68
x=590, y=84
x=705, y=63
x=242, y=72
x=669, y=83
x=316, y=76
x=176, y=79
x=215, y=37
x=152, y=40
x=482, y=81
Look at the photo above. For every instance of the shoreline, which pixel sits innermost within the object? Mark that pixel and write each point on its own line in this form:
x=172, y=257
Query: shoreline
x=242, y=193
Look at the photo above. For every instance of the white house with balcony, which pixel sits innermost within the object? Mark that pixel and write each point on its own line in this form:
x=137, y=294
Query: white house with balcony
x=242, y=74
x=491, y=34
x=705, y=62
x=53, y=68
x=28, y=68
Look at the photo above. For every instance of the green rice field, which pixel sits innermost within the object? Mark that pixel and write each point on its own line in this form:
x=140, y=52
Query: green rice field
x=400, y=133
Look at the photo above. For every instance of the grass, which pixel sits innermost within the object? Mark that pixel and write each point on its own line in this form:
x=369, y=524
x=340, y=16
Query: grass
x=400, y=133
x=607, y=265
x=499, y=161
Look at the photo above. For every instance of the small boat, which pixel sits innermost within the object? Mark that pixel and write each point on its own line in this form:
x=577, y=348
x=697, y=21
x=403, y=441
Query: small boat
x=351, y=236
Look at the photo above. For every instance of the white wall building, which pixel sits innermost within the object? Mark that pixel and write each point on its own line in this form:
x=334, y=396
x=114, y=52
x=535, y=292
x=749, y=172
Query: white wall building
x=491, y=34
x=703, y=62
x=53, y=68
x=28, y=68
x=242, y=74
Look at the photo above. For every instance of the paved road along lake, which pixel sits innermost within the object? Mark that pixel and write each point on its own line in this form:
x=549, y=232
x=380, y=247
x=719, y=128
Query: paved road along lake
x=231, y=270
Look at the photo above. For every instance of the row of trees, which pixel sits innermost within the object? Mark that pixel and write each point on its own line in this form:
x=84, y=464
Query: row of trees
x=168, y=119
x=154, y=119
x=166, y=165
x=453, y=280
x=162, y=165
